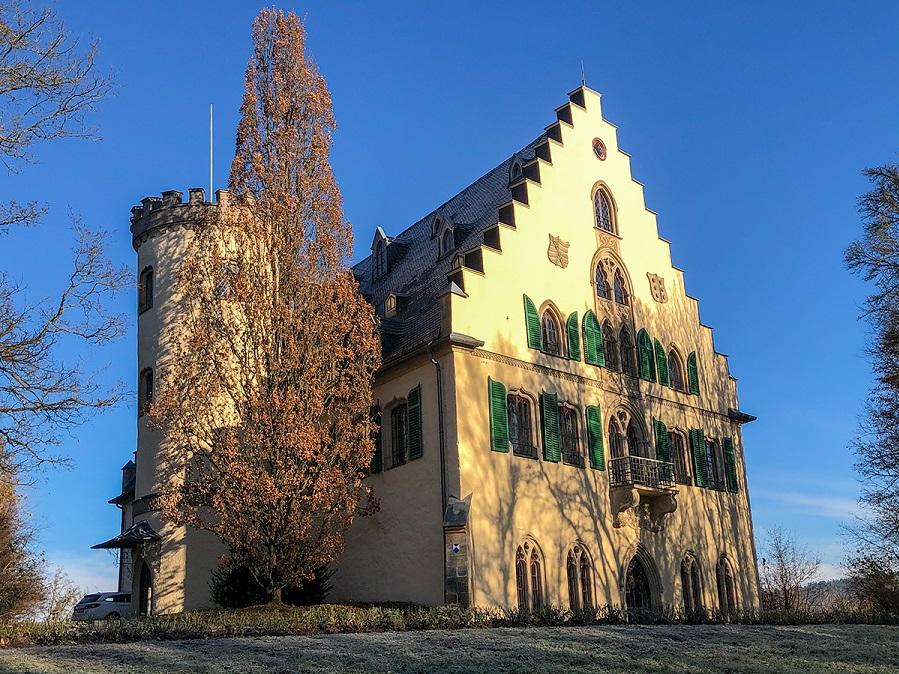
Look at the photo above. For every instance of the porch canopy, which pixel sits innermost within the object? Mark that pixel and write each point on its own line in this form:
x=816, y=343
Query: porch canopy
x=133, y=536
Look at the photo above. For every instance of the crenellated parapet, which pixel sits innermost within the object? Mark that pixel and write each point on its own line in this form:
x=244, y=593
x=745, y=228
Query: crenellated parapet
x=156, y=214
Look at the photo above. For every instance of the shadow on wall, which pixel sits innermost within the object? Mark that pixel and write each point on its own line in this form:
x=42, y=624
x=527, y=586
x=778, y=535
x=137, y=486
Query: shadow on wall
x=513, y=492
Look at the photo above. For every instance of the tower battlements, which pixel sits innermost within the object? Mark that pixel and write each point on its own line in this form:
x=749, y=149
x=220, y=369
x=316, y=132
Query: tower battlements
x=170, y=210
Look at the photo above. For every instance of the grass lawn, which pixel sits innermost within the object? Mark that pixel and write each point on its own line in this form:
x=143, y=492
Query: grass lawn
x=676, y=648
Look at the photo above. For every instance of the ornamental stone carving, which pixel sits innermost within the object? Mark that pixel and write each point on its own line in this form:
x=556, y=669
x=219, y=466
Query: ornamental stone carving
x=657, y=287
x=557, y=251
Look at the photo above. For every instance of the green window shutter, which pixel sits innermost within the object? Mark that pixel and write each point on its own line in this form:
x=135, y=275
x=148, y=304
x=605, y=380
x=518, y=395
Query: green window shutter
x=594, y=348
x=594, y=437
x=499, y=416
x=663, y=448
x=549, y=413
x=532, y=324
x=574, y=338
x=700, y=457
x=647, y=361
x=692, y=374
x=662, y=364
x=413, y=416
x=730, y=465
x=376, y=459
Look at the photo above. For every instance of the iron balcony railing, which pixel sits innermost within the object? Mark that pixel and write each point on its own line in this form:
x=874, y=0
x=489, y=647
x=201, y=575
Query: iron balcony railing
x=639, y=470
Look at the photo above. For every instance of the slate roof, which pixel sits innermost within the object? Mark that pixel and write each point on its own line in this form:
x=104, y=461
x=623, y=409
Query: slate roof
x=414, y=270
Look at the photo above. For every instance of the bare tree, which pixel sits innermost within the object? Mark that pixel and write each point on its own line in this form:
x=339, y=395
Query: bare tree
x=60, y=596
x=21, y=583
x=787, y=569
x=47, y=86
x=265, y=404
x=875, y=257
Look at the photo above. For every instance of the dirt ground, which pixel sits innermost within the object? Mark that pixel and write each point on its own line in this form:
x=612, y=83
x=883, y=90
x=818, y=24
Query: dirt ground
x=678, y=648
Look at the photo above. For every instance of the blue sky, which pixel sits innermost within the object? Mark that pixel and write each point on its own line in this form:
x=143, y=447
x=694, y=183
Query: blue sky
x=748, y=125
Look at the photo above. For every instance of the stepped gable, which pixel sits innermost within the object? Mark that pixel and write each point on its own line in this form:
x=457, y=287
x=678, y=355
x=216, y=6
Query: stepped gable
x=418, y=274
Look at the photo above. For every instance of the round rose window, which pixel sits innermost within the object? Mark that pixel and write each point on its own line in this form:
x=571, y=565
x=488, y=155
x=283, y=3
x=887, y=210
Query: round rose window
x=599, y=149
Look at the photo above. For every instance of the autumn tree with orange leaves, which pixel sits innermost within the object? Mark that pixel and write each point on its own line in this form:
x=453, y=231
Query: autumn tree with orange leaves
x=265, y=402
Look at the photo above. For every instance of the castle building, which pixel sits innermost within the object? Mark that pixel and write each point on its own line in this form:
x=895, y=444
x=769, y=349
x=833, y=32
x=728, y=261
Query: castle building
x=556, y=426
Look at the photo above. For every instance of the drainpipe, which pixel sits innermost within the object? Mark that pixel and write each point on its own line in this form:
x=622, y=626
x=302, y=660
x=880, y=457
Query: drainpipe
x=440, y=428
x=442, y=444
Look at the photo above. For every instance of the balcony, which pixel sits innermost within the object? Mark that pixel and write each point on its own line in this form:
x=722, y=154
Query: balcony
x=643, y=488
x=641, y=472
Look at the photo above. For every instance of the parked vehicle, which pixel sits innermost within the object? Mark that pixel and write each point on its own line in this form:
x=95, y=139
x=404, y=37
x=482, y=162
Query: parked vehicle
x=103, y=606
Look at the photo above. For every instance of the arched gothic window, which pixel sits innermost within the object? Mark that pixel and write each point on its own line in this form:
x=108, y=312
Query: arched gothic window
x=536, y=580
x=603, y=289
x=637, y=590
x=568, y=429
x=621, y=294
x=626, y=347
x=617, y=444
x=611, y=346
x=602, y=208
x=520, y=428
x=675, y=371
x=529, y=577
x=727, y=597
x=580, y=579
x=145, y=290
x=380, y=261
x=552, y=333
x=144, y=390
x=635, y=444
x=447, y=243
x=521, y=579
x=691, y=585
x=679, y=457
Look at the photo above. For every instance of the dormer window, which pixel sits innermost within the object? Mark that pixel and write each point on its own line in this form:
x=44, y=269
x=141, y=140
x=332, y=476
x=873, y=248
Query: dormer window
x=390, y=305
x=515, y=171
x=447, y=244
x=380, y=259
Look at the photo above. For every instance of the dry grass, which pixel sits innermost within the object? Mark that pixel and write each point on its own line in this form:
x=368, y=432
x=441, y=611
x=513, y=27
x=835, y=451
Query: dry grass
x=849, y=649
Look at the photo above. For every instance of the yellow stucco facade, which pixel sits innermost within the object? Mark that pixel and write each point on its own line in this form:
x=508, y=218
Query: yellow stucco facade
x=515, y=468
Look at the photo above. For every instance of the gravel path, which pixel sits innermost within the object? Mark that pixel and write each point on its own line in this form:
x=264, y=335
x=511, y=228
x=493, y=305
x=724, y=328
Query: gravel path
x=682, y=648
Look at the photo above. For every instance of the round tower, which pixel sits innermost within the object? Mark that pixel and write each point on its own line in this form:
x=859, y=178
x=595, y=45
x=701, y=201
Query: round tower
x=170, y=569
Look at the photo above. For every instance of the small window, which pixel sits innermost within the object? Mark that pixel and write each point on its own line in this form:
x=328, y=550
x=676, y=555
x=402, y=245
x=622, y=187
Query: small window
x=536, y=581
x=676, y=371
x=447, y=243
x=145, y=290
x=611, y=347
x=717, y=476
x=603, y=211
x=727, y=596
x=521, y=579
x=568, y=427
x=635, y=444
x=145, y=390
x=621, y=294
x=399, y=434
x=691, y=585
x=552, y=333
x=529, y=577
x=599, y=149
x=380, y=261
x=520, y=427
x=679, y=457
x=603, y=290
x=626, y=348
x=616, y=440
x=580, y=579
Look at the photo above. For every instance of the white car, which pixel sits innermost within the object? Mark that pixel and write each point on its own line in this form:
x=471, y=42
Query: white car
x=103, y=606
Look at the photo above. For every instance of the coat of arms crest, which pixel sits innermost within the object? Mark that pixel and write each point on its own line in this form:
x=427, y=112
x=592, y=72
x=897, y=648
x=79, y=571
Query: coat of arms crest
x=558, y=251
x=657, y=288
